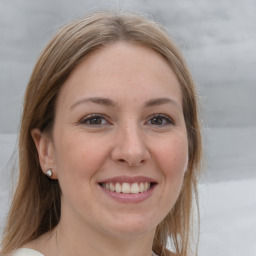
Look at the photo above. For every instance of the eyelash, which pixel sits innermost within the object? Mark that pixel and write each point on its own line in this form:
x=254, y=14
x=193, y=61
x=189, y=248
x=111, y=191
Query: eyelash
x=167, y=119
x=92, y=117
x=99, y=117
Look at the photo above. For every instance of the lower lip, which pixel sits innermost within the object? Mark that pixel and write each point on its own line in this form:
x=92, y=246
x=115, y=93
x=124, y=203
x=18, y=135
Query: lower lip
x=129, y=198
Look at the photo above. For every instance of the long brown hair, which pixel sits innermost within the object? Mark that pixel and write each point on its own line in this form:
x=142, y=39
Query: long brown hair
x=35, y=207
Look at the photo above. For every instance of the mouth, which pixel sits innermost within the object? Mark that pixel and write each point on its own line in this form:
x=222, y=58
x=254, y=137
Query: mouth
x=127, y=187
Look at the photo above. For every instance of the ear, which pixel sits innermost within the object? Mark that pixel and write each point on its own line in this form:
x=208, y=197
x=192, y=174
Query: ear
x=45, y=151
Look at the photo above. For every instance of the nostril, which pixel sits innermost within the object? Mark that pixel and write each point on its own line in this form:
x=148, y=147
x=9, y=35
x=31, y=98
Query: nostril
x=131, y=162
x=124, y=162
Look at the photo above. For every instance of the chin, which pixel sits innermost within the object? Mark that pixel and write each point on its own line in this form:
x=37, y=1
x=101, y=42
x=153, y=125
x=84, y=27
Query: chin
x=132, y=226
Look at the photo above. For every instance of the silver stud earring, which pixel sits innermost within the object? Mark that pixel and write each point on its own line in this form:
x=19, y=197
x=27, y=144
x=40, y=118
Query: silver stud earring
x=49, y=173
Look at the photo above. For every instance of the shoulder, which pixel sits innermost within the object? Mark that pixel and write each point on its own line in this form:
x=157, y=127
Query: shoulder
x=26, y=252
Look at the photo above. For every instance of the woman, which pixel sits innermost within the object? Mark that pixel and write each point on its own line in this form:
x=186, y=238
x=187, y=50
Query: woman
x=109, y=144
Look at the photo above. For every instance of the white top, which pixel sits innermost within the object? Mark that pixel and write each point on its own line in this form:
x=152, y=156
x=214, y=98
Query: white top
x=30, y=252
x=26, y=252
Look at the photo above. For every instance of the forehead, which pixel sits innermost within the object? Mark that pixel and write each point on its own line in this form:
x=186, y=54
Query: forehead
x=122, y=67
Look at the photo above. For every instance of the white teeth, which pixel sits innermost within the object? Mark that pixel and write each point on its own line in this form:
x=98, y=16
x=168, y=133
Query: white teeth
x=146, y=185
x=111, y=187
x=118, y=188
x=127, y=188
x=142, y=187
x=135, y=188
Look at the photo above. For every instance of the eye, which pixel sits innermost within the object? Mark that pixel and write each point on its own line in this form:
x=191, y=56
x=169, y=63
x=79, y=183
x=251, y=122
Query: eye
x=94, y=120
x=160, y=120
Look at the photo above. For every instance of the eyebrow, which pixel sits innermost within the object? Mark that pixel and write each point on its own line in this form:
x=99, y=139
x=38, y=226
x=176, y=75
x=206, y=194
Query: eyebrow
x=97, y=100
x=161, y=101
x=110, y=103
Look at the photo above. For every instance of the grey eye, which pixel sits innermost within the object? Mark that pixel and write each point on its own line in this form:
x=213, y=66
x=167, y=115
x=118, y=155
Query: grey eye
x=160, y=120
x=94, y=120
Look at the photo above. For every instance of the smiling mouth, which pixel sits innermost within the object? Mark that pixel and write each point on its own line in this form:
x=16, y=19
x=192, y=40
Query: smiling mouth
x=127, y=188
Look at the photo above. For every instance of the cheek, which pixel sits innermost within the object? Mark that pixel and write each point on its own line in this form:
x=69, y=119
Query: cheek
x=77, y=157
x=173, y=162
x=174, y=157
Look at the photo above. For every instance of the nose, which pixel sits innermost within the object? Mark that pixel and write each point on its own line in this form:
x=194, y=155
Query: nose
x=130, y=148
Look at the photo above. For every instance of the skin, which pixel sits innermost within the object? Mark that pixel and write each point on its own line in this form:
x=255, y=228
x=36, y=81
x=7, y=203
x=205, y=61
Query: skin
x=133, y=134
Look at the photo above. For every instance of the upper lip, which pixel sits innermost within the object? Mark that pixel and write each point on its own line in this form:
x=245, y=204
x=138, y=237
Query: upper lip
x=128, y=179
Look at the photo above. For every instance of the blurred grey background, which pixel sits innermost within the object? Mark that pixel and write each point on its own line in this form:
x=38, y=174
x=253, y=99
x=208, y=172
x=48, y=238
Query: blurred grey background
x=218, y=40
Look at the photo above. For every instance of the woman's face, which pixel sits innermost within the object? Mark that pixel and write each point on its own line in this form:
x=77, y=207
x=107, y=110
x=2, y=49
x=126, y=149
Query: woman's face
x=119, y=142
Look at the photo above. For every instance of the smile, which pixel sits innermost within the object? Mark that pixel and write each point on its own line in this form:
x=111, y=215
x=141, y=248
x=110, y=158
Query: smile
x=127, y=188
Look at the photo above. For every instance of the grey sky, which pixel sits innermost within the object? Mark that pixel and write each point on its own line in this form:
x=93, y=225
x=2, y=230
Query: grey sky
x=218, y=39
